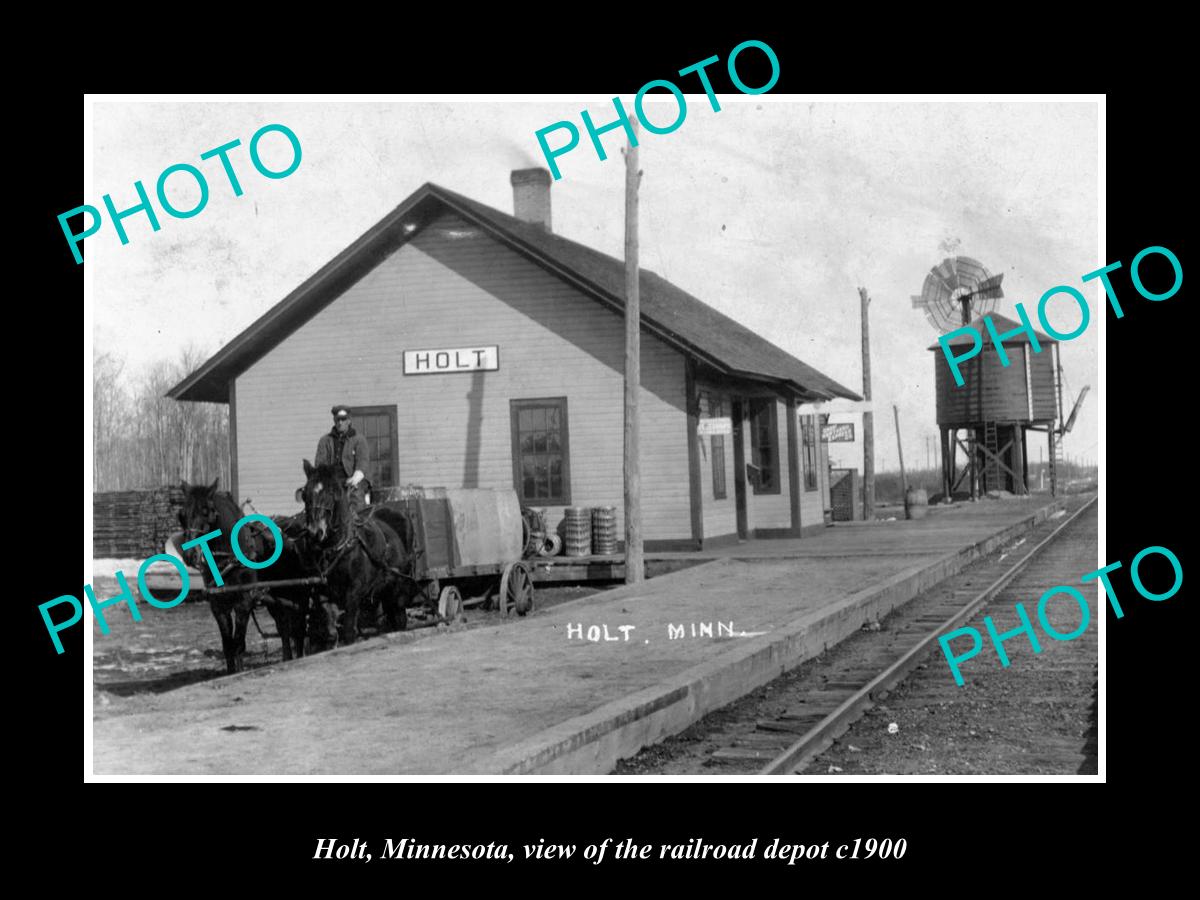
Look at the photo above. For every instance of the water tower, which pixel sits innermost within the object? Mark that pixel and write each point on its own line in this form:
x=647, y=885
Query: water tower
x=990, y=415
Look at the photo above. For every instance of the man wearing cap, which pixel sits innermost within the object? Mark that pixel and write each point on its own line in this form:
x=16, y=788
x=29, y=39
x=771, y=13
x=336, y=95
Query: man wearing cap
x=346, y=449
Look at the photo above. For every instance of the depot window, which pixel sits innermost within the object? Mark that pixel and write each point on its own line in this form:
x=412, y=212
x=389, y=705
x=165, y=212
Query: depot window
x=764, y=446
x=378, y=425
x=541, y=456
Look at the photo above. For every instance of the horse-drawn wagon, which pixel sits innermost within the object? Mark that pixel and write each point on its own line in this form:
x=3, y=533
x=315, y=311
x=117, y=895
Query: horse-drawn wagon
x=467, y=549
x=434, y=551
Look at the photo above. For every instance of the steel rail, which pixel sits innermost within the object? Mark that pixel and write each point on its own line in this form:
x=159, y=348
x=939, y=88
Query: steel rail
x=822, y=735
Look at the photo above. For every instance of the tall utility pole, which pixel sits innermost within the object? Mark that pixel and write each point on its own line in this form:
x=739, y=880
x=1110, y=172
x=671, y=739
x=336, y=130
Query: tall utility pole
x=868, y=416
x=634, y=566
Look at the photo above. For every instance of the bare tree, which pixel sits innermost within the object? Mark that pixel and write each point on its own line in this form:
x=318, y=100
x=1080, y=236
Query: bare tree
x=143, y=439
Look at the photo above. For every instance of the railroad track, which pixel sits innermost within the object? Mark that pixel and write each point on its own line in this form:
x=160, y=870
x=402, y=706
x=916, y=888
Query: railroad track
x=782, y=727
x=913, y=644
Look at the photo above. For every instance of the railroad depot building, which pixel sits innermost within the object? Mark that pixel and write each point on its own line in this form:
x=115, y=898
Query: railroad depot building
x=481, y=350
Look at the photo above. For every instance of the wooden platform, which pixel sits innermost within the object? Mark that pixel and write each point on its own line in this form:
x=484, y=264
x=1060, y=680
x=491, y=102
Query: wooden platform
x=558, y=569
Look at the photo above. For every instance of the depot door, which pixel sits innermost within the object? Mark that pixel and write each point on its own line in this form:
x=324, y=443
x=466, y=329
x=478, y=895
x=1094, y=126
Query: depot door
x=739, y=468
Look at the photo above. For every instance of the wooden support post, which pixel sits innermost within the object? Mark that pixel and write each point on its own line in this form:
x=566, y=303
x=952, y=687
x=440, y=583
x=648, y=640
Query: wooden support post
x=794, y=438
x=1025, y=460
x=694, y=476
x=977, y=387
x=634, y=566
x=947, y=452
x=1018, y=458
x=868, y=416
x=233, y=452
x=900, y=450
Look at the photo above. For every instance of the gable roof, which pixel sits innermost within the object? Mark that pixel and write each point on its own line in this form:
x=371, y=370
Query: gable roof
x=667, y=311
x=1003, y=325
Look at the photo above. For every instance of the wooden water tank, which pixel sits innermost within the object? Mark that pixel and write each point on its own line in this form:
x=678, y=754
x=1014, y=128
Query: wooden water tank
x=1023, y=391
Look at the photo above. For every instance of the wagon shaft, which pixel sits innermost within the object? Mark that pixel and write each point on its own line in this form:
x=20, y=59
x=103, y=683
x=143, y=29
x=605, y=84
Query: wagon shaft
x=262, y=585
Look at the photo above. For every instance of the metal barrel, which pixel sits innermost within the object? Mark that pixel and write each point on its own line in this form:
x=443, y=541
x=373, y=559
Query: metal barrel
x=604, y=530
x=916, y=503
x=577, y=531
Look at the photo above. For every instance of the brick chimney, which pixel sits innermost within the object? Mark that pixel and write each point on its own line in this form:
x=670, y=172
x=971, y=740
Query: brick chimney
x=531, y=196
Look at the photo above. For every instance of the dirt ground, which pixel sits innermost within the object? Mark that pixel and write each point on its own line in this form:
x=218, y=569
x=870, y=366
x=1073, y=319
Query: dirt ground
x=171, y=648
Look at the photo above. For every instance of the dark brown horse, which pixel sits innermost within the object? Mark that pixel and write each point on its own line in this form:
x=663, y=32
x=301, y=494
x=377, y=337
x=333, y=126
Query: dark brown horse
x=205, y=510
x=290, y=605
x=366, y=558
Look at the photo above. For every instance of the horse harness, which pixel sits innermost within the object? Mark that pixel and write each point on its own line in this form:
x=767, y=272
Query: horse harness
x=220, y=555
x=354, y=535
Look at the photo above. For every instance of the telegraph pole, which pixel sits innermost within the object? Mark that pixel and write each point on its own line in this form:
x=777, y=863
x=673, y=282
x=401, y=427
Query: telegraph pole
x=868, y=416
x=634, y=566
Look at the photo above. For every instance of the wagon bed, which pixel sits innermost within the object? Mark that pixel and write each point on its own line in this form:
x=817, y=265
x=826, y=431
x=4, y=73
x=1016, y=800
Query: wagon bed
x=460, y=534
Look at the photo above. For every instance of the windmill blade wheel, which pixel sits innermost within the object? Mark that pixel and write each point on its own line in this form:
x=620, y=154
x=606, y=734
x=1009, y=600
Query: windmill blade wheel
x=516, y=590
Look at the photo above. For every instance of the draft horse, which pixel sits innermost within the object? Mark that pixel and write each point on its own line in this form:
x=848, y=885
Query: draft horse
x=366, y=558
x=205, y=509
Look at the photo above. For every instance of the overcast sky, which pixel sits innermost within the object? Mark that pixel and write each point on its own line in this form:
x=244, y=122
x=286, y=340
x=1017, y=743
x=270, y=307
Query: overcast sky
x=773, y=210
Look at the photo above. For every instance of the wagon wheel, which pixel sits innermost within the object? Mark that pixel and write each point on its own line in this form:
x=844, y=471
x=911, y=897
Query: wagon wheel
x=516, y=590
x=450, y=604
x=527, y=539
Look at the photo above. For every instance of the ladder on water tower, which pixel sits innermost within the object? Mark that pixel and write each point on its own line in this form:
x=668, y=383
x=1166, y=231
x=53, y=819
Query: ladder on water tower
x=991, y=469
x=1056, y=459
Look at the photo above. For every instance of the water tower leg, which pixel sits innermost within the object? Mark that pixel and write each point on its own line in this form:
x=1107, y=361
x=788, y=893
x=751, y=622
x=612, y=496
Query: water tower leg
x=1018, y=461
x=1053, y=464
x=947, y=464
x=973, y=462
x=1025, y=459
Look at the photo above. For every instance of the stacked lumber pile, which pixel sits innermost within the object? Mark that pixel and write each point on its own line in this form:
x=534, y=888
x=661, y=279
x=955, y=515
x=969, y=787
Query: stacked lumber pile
x=127, y=524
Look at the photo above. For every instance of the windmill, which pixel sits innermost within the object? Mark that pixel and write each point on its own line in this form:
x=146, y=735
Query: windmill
x=1024, y=396
x=953, y=287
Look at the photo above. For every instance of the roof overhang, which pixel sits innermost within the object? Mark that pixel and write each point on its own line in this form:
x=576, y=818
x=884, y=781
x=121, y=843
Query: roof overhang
x=211, y=381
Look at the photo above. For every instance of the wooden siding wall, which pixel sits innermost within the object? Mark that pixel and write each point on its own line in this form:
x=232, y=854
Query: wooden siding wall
x=1041, y=372
x=1004, y=395
x=453, y=286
